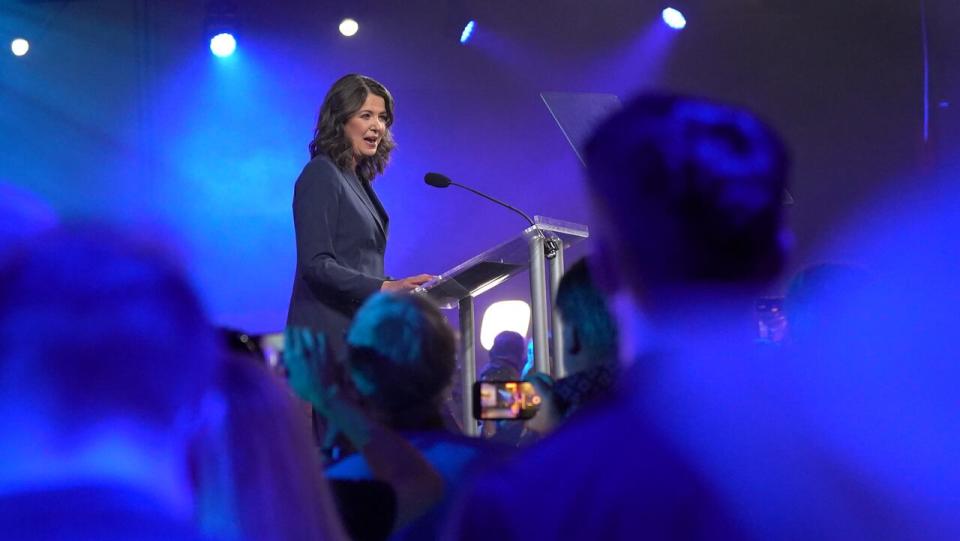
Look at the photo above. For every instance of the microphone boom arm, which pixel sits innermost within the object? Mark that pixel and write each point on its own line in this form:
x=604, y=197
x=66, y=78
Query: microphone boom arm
x=497, y=201
x=550, y=247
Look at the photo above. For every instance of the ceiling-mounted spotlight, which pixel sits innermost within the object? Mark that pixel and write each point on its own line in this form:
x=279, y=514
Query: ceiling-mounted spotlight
x=349, y=27
x=223, y=44
x=221, y=26
x=673, y=18
x=19, y=47
x=460, y=21
x=468, y=30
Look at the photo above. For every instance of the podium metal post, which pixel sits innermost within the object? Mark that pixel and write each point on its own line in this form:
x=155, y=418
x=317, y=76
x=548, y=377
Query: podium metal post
x=468, y=358
x=487, y=270
x=556, y=273
x=538, y=304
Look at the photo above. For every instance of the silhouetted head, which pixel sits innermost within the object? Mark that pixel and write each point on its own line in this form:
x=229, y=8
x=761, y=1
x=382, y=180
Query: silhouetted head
x=402, y=354
x=687, y=192
x=100, y=328
x=509, y=348
x=589, y=329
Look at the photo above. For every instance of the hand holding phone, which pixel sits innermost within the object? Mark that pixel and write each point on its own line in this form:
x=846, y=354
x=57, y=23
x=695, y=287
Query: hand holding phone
x=505, y=400
x=547, y=417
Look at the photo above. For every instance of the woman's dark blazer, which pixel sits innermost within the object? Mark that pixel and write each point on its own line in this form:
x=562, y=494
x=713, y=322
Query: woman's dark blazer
x=341, y=230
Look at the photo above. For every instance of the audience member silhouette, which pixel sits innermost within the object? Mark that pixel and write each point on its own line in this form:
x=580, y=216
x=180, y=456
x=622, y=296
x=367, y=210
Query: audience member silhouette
x=590, y=343
x=688, y=230
x=404, y=485
x=105, y=357
x=258, y=473
x=401, y=356
x=590, y=337
x=876, y=390
x=506, y=359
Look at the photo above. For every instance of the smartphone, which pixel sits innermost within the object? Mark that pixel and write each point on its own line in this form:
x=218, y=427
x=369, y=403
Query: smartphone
x=505, y=400
x=771, y=322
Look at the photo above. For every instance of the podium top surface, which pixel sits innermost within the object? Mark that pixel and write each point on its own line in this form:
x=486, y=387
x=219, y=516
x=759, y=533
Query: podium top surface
x=492, y=267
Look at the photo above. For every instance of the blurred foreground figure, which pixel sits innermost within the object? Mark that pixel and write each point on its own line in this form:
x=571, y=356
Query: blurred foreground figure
x=404, y=485
x=874, y=372
x=815, y=299
x=688, y=227
x=400, y=361
x=591, y=359
x=852, y=435
x=22, y=215
x=259, y=475
x=105, y=356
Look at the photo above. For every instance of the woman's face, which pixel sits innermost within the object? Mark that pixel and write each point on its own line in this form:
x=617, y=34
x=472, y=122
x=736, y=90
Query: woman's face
x=366, y=128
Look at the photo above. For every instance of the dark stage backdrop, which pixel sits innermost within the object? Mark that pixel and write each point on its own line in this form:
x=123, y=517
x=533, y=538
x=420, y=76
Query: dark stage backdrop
x=121, y=113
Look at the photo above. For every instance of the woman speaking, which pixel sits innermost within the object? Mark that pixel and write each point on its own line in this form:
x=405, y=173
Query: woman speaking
x=341, y=227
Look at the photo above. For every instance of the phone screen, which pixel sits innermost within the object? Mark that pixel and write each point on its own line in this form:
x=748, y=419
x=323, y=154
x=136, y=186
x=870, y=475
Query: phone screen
x=771, y=323
x=501, y=400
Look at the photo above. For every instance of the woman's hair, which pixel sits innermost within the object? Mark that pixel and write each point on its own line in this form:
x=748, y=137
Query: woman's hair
x=403, y=351
x=258, y=473
x=342, y=101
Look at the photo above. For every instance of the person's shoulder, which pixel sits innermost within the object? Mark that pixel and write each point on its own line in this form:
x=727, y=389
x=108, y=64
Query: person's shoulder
x=599, y=431
x=498, y=371
x=606, y=449
x=425, y=441
x=320, y=170
x=351, y=467
x=443, y=439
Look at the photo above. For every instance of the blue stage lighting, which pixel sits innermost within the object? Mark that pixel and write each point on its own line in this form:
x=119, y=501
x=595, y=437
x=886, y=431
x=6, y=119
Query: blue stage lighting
x=19, y=46
x=468, y=31
x=674, y=19
x=223, y=44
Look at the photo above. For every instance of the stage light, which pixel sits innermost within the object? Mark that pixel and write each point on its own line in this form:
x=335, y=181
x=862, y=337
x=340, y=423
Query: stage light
x=223, y=44
x=221, y=26
x=349, y=27
x=504, y=316
x=19, y=46
x=467, y=31
x=674, y=19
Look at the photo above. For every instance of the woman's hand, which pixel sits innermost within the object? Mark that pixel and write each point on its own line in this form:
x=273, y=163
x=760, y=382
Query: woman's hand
x=406, y=285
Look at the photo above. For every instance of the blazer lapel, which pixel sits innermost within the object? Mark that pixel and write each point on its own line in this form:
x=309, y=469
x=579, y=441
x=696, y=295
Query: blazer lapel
x=381, y=213
x=370, y=201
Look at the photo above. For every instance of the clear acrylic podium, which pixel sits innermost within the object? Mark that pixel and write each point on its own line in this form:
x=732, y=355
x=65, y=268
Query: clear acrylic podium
x=458, y=286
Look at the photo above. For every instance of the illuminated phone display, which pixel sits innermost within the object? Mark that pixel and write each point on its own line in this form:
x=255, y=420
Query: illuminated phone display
x=505, y=400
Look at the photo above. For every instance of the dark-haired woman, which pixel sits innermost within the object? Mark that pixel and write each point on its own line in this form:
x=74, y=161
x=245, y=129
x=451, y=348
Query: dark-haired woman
x=341, y=227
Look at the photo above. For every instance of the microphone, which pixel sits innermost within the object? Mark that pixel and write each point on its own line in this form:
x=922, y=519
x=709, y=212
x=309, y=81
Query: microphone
x=437, y=180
